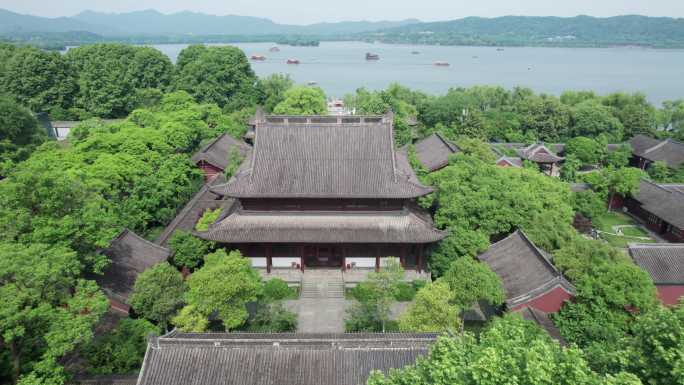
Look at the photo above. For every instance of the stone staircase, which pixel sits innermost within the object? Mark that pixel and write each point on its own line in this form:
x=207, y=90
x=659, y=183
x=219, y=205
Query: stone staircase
x=322, y=284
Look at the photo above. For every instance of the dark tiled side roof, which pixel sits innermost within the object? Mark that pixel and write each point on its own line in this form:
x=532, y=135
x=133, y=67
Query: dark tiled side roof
x=323, y=160
x=543, y=320
x=669, y=151
x=513, y=161
x=216, y=152
x=539, y=153
x=579, y=187
x=406, y=226
x=524, y=269
x=284, y=359
x=188, y=216
x=663, y=200
x=130, y=255
x=433, y=151
x=663, y=262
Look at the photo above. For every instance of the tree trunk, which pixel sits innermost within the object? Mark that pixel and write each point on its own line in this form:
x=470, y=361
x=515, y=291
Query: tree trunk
x=610, y=200
x=16, y=362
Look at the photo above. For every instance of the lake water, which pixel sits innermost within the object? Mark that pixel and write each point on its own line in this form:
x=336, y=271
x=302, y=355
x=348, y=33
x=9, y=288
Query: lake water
x=340, y=67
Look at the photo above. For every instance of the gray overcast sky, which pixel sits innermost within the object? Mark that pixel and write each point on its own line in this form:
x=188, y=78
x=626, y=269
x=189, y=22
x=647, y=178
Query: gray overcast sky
x=311, y=11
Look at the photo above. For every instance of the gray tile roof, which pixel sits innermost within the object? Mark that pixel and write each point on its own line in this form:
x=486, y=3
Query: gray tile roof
x=188, y=216
x=543, y=320
x=328, y=157
x=538, y=153
x=525, y=271
x=405, y=226
x=663, y=200
x=669, y=151
x=216, y=152
x=130, y=255
x=433, y=151
x=664, y=262
x=284, y=359
x=513, y=161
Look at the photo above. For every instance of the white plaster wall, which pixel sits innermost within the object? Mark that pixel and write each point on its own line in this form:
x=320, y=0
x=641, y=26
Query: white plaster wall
x=361, y=262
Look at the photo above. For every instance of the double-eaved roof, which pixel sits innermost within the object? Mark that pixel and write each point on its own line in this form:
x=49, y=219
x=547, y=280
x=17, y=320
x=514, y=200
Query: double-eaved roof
x=408, y=225
x=669, y=151
x=280, y=358
x=130, y=255
x=525, y=271
x=538, y=153
x=666, y=201
x=323, y=157
x=664, y=262
x=433, y=152
x=216, y=152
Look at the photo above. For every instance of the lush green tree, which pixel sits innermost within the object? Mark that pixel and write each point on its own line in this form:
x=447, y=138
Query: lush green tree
x=272, y=90
x=634, y=112
x=120, y=350
x=544, y=116
x=591, y=118
x=587, y=150
x=510, y=351
x=158, y=294
x=272, y=317
x=619, y=157
x=19, y=132
x=433, y=310
x=570, y=168
x=302, y=101
x=189, y=319
x=589, y=204
x=378, y=292
x=39, y=80
x=234, y=161
x=224, y=286
x=477, y=200
x=573, y=98
x=188, y=250
x=624, y=181
x=471, y=281
x=220, y=75
x=276, y=289
x=48, y=311
x=150, y=69
x=657, y=346
x=659, y=171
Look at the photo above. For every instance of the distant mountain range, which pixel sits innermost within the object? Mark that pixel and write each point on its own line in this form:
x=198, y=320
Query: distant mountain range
x=152, y=22
x=148, y=27
x=541, y=31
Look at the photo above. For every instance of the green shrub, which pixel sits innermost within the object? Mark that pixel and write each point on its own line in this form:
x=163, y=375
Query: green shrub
x=406, y=292
x=276, y=289
x=188, y=250
x=121, y=350
x=419, y=284
x=208, y=218
x=272, y=317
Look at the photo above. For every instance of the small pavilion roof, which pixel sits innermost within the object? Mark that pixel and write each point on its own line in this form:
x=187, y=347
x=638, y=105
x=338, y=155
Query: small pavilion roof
x=279, y=358
x=513, y=161
x=663, y=200
x=539, y=153
x=543, y=320
x=323, y=157
x=669, y=151
x=664, y=262
x=433, y=152
x=217, y=151
x=130, y=255
x=188, y=216
x=525, y=271
x=409, y=225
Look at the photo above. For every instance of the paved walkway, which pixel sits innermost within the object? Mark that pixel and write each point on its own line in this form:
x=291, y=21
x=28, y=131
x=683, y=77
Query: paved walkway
x=319, y=315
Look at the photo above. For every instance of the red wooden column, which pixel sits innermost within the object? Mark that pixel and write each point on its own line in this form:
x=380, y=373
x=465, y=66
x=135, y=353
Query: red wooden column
x=402, y=257
x=377, y=258
x=269, y=258
x=344, y=258
x=301, y=258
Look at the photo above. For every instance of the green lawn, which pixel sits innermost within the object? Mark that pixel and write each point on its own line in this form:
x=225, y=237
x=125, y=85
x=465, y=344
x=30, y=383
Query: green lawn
x=630, y=234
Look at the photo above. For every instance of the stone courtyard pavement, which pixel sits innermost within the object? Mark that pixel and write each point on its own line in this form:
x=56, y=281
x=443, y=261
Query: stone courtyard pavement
x=326, y=315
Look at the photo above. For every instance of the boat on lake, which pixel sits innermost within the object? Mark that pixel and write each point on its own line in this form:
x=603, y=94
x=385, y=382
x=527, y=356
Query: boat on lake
x=499, y=49
x=274, y=49
x=415, y=52
x=372, y=56
x=258, y=57
x=441, y=64
x=311, y=83
x=292, y=61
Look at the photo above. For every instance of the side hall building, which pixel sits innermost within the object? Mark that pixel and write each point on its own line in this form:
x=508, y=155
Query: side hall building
x=324, y=192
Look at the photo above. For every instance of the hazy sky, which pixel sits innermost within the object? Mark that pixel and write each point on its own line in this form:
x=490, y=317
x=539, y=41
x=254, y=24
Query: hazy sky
x=311, y=11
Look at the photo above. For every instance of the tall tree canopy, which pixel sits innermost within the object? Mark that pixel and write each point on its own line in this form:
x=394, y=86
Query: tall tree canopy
x=302, y=101
x=19, y=133
x=220, y=75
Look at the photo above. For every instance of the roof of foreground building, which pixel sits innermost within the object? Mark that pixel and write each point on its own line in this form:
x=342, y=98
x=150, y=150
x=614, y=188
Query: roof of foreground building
x=525, y=271
x=280, y=358
x=664, y=262
x=433, y=152
x=323, y=157
x=663, y=200
x=669, y=151
x=217, y=151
